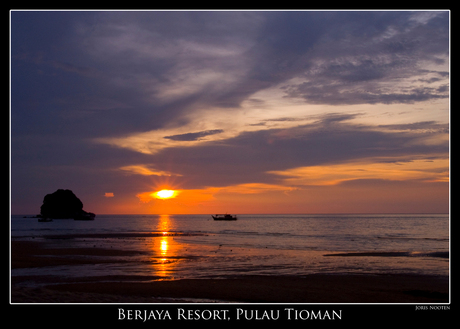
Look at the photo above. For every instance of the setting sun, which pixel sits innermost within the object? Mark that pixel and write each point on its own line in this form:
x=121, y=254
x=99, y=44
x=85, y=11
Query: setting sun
x=165, y=194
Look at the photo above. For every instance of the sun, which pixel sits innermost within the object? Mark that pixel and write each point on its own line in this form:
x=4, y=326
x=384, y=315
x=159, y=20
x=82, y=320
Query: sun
x=165, y=194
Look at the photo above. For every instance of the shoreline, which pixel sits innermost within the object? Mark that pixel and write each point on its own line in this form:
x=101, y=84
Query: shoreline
x=310, y=288
x=313, y=288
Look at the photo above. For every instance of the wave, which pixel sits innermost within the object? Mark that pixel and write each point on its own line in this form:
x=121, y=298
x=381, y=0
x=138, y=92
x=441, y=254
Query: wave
x=437, y=254
x=411, y=238
x=119, y=235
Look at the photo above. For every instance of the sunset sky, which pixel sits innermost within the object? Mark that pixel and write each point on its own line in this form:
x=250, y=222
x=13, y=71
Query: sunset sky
x=232, y=111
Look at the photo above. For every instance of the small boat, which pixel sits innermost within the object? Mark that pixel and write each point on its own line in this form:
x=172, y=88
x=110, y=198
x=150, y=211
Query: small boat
x=44, y=219
x=224, y=217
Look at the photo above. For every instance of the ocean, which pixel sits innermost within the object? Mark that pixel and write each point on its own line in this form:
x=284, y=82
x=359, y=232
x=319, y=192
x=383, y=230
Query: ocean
x=195, y=246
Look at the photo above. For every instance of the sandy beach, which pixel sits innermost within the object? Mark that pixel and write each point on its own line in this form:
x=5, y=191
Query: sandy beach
x=253, y=289
x=314, y=288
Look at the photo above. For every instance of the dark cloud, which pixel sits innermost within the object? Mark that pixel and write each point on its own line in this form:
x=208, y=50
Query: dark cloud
x=341, y=94
x=326, y=118
x=361, y=57
x=149, y=68
x=329, y=118
x=194, y=136
x=425, y=126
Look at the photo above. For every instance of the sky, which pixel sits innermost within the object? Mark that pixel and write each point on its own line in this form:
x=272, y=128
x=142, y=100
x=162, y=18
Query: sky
x=235, y=111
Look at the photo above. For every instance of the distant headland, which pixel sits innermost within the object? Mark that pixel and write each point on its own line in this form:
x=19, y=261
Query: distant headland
x=64, y=204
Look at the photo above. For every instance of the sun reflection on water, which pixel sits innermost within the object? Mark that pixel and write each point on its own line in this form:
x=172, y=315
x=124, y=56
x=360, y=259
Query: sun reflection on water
x=165, y=254
x=164, y=246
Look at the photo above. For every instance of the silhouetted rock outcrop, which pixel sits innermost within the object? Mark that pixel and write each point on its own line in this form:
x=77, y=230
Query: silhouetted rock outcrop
x=64, y=204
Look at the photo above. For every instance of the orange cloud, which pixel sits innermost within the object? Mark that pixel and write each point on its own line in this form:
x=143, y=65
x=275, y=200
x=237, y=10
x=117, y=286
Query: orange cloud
x=426, y=170
x=143, y=170
x=255, y=188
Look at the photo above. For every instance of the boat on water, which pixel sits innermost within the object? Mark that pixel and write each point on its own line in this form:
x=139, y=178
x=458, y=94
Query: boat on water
x=224, y=217
x=44, y=219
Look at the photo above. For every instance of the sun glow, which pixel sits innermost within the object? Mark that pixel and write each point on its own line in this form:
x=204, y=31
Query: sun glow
x=165, y=194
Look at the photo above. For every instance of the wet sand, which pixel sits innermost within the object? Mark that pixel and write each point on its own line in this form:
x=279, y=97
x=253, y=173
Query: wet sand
x=269, y=289
x=315, y=288
x=254, y=289
x=26, y=254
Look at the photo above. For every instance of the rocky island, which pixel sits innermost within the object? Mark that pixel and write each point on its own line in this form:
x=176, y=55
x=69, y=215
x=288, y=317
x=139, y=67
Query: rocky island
x=64, y=204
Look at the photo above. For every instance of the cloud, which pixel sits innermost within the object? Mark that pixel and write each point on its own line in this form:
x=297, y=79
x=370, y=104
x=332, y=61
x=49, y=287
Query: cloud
x=339, y=73
x=145, y=171
x=423, y=126
x=80, y=70
x=326, y=92
x=252, y=157
x=156, y=68
x=430, y=171
x=255, y=188
x=365, y=79
x=194, y=136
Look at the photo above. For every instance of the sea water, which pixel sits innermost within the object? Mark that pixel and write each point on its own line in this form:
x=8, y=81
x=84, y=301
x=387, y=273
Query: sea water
x=196, y=246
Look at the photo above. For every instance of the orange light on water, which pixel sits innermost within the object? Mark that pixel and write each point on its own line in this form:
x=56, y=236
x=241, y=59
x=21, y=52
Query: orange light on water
x=165, y=252
x=164, y=246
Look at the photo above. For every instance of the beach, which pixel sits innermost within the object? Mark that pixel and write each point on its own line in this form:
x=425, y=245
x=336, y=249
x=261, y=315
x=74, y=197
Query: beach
x=310, y=288
x=258, y=289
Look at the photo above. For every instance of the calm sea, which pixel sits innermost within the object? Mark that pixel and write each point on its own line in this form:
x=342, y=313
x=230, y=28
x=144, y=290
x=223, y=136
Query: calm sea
x=196, y=246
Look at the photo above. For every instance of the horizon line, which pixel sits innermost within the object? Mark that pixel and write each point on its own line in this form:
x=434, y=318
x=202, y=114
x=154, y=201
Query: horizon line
x=325, y=213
